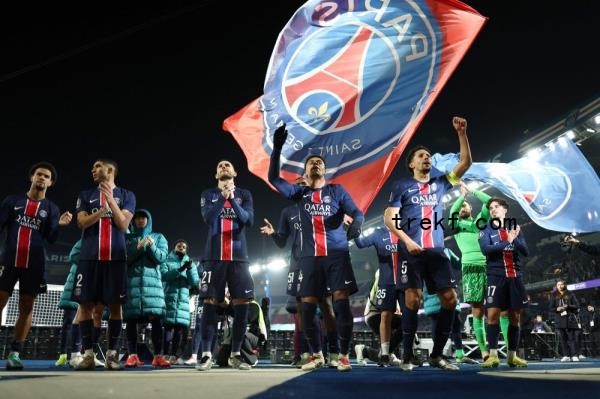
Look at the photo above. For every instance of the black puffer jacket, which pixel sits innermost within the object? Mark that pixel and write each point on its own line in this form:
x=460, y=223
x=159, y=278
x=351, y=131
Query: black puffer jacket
x=570, y=319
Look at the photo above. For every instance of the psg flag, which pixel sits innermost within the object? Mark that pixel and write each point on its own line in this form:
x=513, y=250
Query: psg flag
x=556, y=187
x=352, y=80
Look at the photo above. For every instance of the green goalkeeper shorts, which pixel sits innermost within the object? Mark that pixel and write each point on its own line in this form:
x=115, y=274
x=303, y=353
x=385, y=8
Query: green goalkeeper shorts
x=474, y=281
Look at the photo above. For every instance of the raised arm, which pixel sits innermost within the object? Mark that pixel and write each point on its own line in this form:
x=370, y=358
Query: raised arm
x=460, y=125
x=286, y=189
x=484, y=198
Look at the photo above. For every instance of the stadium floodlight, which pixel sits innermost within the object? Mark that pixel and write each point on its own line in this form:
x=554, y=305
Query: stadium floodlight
x=597, y=119
x=254, y=268
x=590, y=130
x=570, y=134
x=276, y=264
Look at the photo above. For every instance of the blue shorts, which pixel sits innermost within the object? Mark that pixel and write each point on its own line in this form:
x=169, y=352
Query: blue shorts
x=387, y=297
x=31, y=280
x=292, y=279
x=234, y=274
x=322, y=275
x=100, y=281
x=505, y=293
x=431, y=267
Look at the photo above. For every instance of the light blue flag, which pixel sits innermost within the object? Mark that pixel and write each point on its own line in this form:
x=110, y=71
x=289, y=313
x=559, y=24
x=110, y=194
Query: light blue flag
x=557, y=187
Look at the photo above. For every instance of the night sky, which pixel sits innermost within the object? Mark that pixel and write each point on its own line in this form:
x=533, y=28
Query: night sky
x=150, y=87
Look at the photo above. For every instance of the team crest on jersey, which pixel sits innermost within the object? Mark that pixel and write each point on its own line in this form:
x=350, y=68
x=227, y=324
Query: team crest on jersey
x=490, y=299
x=1, y=270
x=433, y=186
x=118, y=200
x=43, y=213
x=202, y=201
x=78, y=204
x=204, y=287
x=342, y=70
x=238, y=200
x=327, y=199
x=404, y=279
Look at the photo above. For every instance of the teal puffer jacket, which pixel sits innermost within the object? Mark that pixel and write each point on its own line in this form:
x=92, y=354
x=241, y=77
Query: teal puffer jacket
x=65, y=298
x=177, y=289
x=145, y=295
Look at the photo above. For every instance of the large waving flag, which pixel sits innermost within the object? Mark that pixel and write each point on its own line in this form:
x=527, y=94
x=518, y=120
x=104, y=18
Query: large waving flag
x=557, y=188
x=352, y=80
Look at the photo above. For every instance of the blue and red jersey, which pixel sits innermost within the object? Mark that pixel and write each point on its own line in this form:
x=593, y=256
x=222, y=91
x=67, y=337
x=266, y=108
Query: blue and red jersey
x=390, y=252
x=27, y=223
x=322, y=213
x=502, y=257
x=227, y=221
x=103, y=240
x=421, y=201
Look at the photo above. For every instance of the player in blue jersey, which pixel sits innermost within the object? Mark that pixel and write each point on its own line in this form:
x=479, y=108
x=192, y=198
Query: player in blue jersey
x=392, y=260
x=290, y=227
x=415, y=215
x=29, y=219
x=503, y=244
x=324, y=256
x=103, y=214
x=228, y=211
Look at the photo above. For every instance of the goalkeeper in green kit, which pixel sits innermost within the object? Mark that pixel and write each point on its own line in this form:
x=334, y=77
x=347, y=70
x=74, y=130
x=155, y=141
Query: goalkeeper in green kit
x=473, y=263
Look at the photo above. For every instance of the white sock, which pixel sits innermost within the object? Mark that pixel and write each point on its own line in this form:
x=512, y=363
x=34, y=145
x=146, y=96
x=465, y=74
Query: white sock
x=494, y=352
x=385, y=348
x=133, y=354
x=234, y=354
x=511, y=354
x=209, y=354
x=89, y=352
x=75, y=354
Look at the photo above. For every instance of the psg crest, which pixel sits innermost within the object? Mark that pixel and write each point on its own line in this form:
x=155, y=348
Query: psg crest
x=348, y=78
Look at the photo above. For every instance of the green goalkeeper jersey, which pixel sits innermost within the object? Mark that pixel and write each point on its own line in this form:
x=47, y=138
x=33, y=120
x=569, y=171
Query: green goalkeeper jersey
x=467, y=237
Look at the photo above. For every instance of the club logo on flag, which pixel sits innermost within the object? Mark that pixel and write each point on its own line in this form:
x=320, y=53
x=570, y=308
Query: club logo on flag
x=352, y=81
x=529, y=190
x=345, y=78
